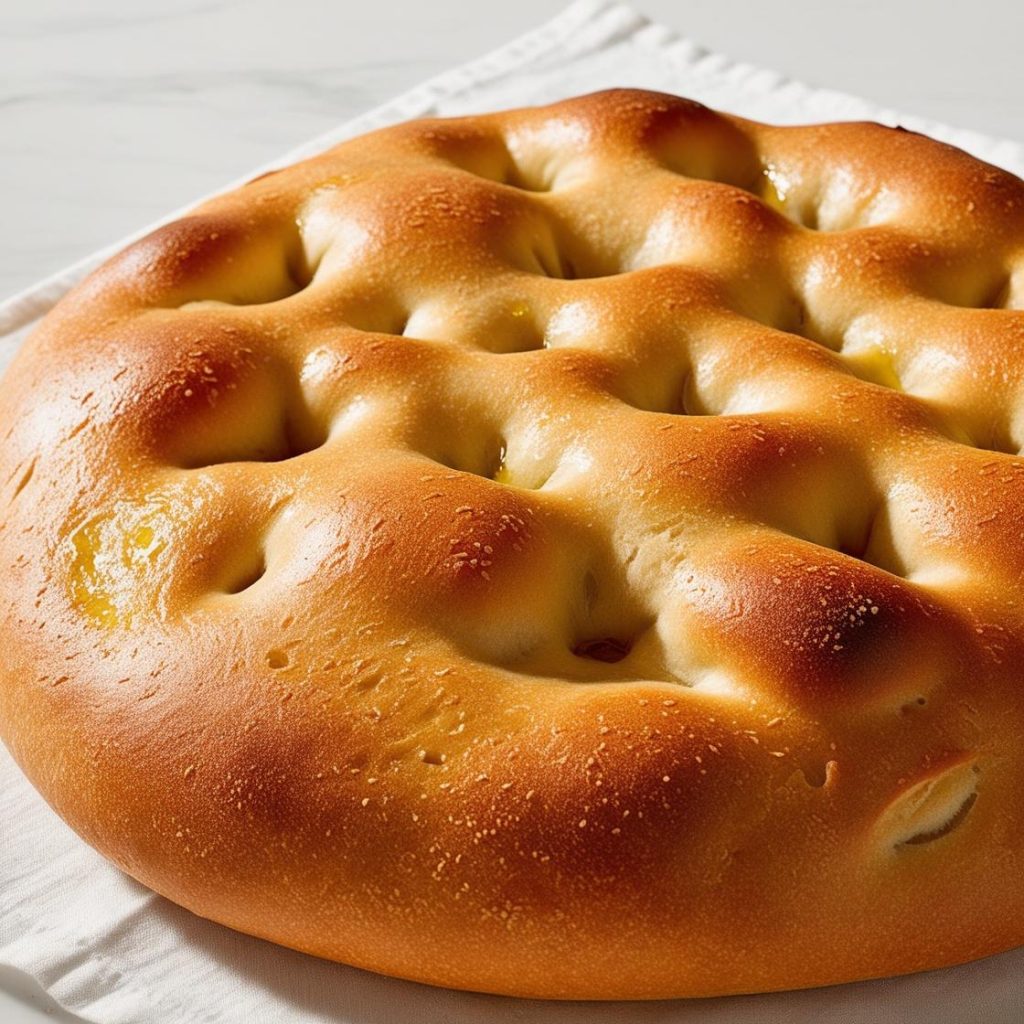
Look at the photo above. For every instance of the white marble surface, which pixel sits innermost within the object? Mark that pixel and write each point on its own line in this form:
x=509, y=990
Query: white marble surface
x=113, y=112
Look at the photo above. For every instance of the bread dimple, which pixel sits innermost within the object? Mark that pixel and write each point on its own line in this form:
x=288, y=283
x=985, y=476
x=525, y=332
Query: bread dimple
x=571, y=552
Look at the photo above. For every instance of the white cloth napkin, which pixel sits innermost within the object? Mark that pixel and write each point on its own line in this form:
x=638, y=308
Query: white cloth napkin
x=115, y=953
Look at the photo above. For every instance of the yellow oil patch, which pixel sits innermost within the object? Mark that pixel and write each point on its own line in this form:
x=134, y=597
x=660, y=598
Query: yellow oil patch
x=110, y=555
x=502, y=474
x=773, y=190
x=876, y=365
x=87, y=591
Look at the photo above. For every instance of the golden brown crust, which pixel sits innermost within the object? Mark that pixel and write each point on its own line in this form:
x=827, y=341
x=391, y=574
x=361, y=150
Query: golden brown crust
x=572, y=552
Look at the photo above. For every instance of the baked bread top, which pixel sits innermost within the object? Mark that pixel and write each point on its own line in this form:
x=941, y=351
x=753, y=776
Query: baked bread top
x=570, y=552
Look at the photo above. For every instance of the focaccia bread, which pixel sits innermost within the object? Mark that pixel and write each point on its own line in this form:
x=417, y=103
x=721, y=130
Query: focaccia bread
x=573, y=552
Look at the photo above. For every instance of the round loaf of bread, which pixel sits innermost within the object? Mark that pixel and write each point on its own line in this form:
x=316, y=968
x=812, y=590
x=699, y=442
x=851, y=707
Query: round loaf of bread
x=574, y=552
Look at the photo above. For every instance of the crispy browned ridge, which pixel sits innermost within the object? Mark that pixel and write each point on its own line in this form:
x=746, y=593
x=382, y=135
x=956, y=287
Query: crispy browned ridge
x=569, y=552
